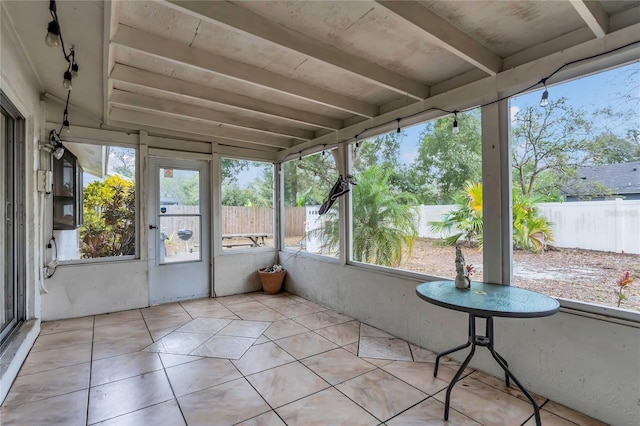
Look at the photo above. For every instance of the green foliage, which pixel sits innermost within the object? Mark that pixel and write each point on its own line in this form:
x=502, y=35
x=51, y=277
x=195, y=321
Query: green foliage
x=122, y=161
x=531, y=231
x=109, y=218
x=308, y=181
x=548, y=144
x=466, y=219
x=183, y=187
x=384, y=225
x=446, y=161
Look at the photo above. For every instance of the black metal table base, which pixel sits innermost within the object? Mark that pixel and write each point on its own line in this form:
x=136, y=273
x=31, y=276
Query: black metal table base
x=487, y=342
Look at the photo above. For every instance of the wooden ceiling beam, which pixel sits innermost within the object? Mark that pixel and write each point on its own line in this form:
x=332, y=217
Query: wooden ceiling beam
x=163, y=121
x=165, y=84
x=163, y=106
x=445, y=35
x=182, y=55
x=241, y=19
x=594, y=15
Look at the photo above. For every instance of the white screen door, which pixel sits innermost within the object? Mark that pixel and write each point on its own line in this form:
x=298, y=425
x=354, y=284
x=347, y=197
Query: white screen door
x=179, y=230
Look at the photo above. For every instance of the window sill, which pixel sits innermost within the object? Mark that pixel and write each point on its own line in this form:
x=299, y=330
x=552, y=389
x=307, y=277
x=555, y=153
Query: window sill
x=601, y=312
x=81, y=262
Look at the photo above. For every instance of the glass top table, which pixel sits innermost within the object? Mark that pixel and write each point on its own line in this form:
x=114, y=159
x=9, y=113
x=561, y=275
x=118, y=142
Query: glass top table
x=485, y=300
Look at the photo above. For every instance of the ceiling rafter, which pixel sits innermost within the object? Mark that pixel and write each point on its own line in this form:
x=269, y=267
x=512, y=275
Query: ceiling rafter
x=244, y=20
x=594, y=15
x=445, y=35
x=186, y=137
x=175, y=52
x=165, y=84
x=164, y=106
x=118, y=113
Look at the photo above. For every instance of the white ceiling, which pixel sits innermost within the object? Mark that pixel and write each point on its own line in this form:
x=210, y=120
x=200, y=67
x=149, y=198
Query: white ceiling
x=271, y=75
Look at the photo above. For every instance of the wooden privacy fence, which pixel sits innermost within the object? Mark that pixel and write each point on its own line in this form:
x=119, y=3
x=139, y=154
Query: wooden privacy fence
x=247, y=220
x=236, y=220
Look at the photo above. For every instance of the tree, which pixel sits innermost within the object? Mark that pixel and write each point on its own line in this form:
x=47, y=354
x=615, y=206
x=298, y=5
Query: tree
x=447, y=161
x=122, y=161
x=609, y=148
x=308, y=181
x=109, y=218
x=466, y=220
x=384, y=221
x=531, y=231
x=182, y=187
x=548, y=144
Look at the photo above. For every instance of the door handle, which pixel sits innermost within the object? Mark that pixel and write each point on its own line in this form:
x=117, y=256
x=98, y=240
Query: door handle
x=153, y=227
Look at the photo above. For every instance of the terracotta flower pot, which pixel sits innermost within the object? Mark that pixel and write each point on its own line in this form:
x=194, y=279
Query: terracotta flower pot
x=271, y=281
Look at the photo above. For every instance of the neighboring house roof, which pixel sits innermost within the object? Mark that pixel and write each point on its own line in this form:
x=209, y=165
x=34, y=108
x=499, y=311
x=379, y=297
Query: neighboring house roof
x=605, y=179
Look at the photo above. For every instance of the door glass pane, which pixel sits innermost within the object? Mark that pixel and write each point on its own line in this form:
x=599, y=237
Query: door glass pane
x=179, y=216
x=7, y=290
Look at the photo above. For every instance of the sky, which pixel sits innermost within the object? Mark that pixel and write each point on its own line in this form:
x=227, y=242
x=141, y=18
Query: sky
x=589, y=93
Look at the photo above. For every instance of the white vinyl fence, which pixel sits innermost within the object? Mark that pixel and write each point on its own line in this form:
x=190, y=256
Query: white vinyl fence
x=593, y=225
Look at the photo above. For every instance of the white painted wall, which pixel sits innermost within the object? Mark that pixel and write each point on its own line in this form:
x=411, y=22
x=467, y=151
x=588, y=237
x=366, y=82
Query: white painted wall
x=238, y=272
x=587, y=364
x=96, y=288
x=21, y=85
x=429, y=214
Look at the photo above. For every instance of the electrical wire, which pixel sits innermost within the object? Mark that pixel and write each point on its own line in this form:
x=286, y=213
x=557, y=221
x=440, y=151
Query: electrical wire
x=542, y=81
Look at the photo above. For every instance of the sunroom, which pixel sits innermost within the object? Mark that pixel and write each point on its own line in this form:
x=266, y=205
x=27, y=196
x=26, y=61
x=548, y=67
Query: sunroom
x=156, y=154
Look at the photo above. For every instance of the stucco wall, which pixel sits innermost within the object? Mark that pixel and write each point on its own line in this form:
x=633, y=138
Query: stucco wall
x=96, y=288
x=587, y=364
x=20, y=85
x=238, y=272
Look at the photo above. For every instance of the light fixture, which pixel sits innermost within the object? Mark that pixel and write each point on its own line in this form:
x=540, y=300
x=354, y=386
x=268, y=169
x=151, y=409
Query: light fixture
x=52, y=39
x=66, y=83
x=455, y=129
x=72, y=59
x=65, y=121
x=300, y=156
x=323, y=148
x=55, y=146
x=398, y=129
x=544, y=101
x=357, y=142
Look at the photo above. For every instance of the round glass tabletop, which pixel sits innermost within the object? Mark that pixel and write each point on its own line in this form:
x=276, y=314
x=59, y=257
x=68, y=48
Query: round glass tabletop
x=484, y=299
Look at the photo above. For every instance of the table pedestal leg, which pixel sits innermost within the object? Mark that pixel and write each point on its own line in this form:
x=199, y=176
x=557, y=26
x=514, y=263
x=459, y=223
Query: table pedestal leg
x=486, y=341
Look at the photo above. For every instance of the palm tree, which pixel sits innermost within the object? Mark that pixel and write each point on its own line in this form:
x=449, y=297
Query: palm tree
x=384, y=222
x=466, y=220
x=530, y=230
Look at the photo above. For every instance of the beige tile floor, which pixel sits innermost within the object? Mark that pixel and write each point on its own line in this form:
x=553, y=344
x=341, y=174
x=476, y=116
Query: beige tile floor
x=251, y=359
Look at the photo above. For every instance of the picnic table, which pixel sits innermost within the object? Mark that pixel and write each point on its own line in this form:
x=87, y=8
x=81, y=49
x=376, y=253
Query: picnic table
x=255, y=239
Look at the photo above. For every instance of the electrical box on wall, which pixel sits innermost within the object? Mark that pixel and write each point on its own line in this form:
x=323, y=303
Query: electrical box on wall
x=45, y=181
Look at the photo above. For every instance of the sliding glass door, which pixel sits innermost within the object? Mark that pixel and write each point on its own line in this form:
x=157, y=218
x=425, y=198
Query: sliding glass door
x=12, y=237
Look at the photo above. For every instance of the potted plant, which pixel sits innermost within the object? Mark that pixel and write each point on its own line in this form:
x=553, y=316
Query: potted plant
x=169, y=245
x=271, y=278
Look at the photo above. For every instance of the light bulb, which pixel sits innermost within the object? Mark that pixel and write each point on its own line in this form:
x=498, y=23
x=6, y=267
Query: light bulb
x=66, y=83
x=74, y=70
x=398, y=129
x=58, y=152
x=544, y=101
x=52, y=39
x=66, y=126
x=455, y=130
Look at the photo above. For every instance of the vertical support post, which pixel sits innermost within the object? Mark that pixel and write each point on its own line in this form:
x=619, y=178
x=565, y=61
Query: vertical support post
x=215, y=232
x=343, y=165
x=496, y=193
x=143, y=194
